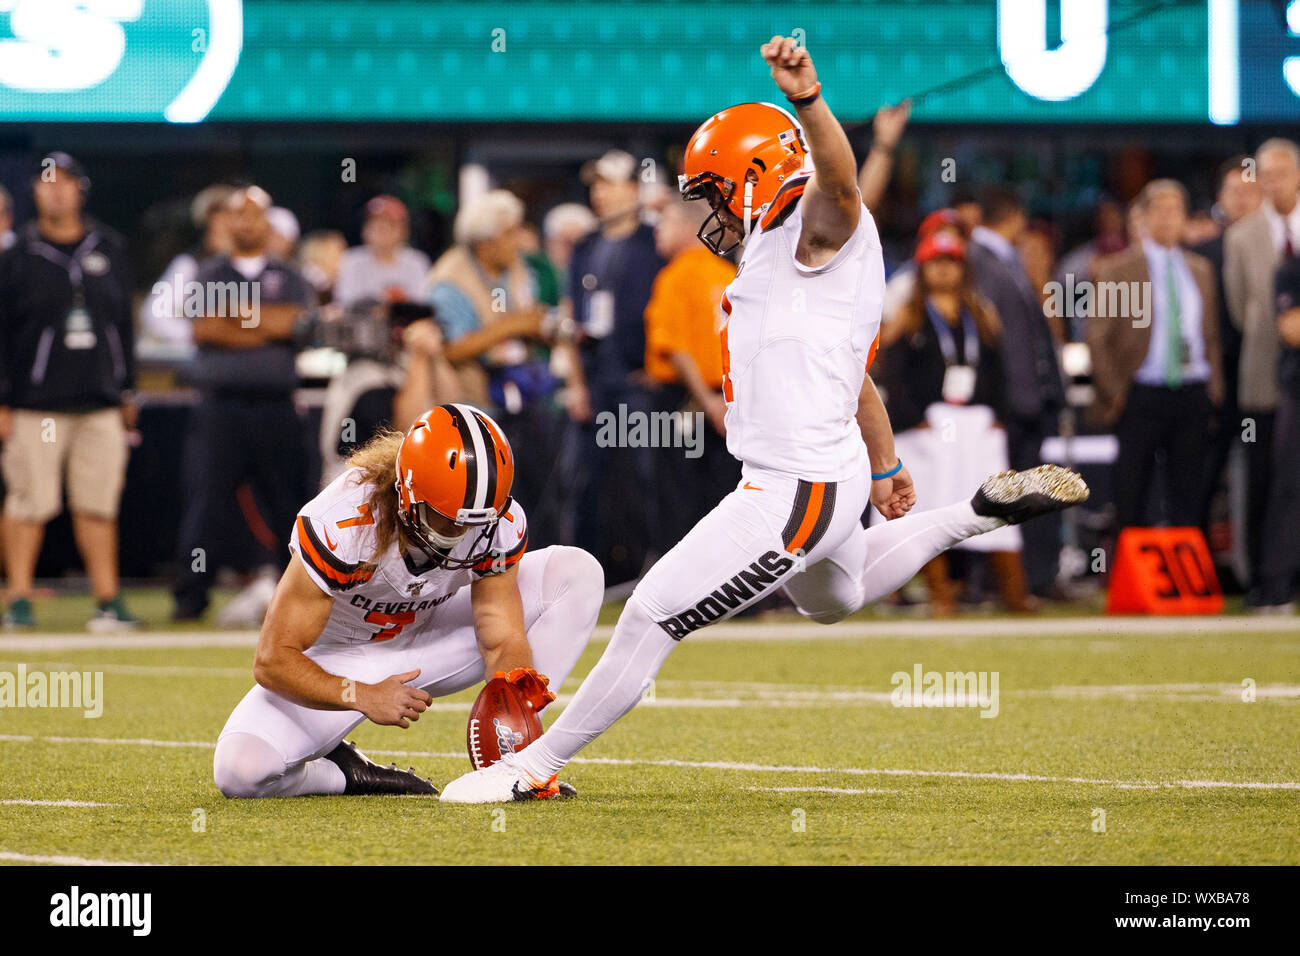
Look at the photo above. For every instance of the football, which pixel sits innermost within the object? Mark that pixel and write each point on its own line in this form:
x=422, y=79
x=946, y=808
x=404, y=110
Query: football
x=500, y=722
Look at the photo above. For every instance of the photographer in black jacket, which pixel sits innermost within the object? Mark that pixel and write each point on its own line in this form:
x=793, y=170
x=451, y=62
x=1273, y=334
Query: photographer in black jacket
x=66, y=373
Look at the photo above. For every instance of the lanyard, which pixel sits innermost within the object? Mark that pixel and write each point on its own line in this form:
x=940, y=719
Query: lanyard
x=947, y=344
x=70, y=264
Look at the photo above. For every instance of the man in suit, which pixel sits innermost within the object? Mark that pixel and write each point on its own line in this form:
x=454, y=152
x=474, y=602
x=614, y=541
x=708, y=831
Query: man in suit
x=1238, y=196
x=1159, y=369
x=1252, y=251
x=1034, y=391
x=1280, y=562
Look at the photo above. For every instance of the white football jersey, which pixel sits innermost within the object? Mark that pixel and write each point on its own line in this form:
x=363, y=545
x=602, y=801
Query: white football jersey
x=376, y=597
x=796, y=345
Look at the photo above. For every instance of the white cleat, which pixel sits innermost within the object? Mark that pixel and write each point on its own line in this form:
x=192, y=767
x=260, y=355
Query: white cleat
x=502, y=782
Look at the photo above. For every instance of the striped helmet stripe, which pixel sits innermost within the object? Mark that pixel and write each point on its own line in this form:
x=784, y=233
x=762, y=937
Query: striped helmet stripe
x=471, y=465
x=477, y=478
x=490, y=496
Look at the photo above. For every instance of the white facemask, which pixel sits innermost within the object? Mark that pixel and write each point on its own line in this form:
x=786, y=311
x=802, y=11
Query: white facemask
x=443, y=541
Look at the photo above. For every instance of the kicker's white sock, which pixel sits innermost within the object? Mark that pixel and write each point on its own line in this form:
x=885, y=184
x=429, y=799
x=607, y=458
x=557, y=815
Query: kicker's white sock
x=614, y=686
x=245, y=765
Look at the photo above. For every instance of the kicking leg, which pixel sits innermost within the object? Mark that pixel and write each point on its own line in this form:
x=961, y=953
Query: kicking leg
x=877, y=561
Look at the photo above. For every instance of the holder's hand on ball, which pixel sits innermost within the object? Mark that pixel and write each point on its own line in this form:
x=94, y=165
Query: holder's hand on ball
x=532, y=686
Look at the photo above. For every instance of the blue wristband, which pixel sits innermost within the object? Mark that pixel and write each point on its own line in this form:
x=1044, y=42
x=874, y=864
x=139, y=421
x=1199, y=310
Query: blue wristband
x=891, y=473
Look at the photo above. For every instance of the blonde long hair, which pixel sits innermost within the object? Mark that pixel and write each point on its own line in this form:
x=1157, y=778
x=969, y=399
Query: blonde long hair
x=377, y=460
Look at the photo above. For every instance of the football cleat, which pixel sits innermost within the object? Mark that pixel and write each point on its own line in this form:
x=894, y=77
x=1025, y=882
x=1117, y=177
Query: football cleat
x=503, y=782
x=1016, y=496
x=364, y=777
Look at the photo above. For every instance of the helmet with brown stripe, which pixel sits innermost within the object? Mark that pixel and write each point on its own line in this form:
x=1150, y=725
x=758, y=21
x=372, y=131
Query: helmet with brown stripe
x=454, y=472
x=741, y=160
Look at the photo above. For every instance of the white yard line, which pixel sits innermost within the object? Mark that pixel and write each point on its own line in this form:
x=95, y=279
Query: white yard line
x=816, y=790
x=734, y=694
x=55, y=803
x=140, y=670
x=728, y=765
x=1095, y=626
x=163, y=640
x=65, y=860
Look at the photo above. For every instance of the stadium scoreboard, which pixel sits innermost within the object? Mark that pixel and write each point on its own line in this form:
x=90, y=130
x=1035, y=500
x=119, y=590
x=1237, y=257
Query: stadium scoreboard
x=1000, y=61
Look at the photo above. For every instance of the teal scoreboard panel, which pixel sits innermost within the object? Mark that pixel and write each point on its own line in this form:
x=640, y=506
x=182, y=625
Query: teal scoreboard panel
x=996, y=61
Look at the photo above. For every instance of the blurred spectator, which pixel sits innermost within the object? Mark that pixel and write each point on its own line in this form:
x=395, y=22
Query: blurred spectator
x=385, y=268
x=1238, y=197
x=282, y=243
x=970, y=212
x=546, y=277
x=1111, y=236
x=244, y=427
x=1035, y=392
x=161, y=317
x=484, y=297
x=1201, y=227
x=562, y=229
x=941, y=372
x=1253, y=247
x=886, y=130
x=1156, y=376
x=1037, y=248
x=610, y=278
x=320, y=256
x=654, y=199
x=384, y=389
x=684, y=356
x=1281, y=553
x=67, y=368
x=902, y=284
x=7, y=235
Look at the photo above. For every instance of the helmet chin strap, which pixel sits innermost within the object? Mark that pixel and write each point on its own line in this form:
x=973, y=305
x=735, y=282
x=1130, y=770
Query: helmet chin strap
x=749, y=205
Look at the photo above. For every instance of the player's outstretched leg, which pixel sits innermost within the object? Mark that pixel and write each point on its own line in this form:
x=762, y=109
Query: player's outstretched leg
x=884, y=557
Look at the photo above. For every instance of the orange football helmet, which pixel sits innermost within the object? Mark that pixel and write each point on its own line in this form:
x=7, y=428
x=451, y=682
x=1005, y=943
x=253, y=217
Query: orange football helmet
x=454, y=462
x=741, y=159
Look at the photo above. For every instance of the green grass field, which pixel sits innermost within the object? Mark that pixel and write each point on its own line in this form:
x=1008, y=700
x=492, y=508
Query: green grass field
x=763, y=745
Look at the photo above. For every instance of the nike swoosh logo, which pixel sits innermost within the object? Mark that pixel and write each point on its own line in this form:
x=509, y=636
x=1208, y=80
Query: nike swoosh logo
x=752, y=487
x=328, y=543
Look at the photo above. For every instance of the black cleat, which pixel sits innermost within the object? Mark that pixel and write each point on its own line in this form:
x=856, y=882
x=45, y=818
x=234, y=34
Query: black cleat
x=367, y=778
x=1016, y=496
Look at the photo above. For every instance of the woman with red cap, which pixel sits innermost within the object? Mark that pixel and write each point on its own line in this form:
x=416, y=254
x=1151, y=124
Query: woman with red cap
x=942, y=373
